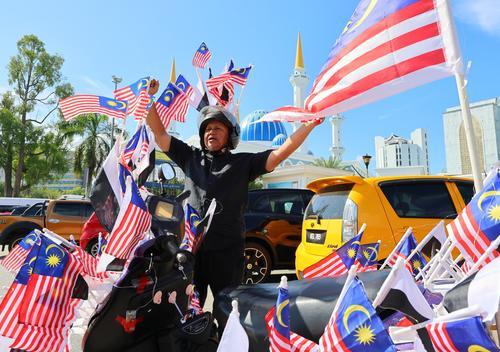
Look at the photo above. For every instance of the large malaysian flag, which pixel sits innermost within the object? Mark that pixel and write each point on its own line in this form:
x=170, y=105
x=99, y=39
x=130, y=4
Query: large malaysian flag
x=80, y=104
x=387, y=47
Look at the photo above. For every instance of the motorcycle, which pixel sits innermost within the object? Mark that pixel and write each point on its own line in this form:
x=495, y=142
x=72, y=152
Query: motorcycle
x=147, y=308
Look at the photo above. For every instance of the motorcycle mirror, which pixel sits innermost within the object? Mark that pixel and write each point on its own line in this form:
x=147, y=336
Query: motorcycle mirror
x=166, y=172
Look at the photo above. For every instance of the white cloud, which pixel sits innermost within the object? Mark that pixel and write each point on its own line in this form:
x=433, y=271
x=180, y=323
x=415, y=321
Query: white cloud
x=482, y=13
x=97, y=87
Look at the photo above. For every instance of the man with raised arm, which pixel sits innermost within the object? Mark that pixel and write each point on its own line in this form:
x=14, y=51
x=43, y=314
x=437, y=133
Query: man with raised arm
x=215, y=172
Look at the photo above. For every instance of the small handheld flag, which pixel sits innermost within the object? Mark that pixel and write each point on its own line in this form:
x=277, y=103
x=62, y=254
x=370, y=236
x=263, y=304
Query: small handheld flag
x=137, y=97
x=201, y=56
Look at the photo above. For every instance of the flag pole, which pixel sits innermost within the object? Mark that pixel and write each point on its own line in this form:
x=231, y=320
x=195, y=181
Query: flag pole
x=198, y=74
x=424, y=241
x=405, y=236
x=451, y=42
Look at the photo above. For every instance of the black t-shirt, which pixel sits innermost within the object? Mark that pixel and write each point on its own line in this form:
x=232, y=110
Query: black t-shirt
x=225, y=177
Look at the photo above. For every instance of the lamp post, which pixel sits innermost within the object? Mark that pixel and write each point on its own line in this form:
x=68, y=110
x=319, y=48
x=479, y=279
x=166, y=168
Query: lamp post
x=366, y=159
x=115, y=80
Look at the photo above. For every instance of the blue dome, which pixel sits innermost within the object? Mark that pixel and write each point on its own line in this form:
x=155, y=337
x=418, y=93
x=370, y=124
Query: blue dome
x=260, y=131
x=278, y=140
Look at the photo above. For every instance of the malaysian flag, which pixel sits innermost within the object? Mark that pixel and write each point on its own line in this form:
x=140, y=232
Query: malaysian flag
x=16, y=257
x=76, y=105
x=192, y=219
x=88, y=264
x=279, y=331
x=297, y=343
x=137, y=97
x=130, y=148
x=355, y=325
x=366, y=260
x=131, y=224
x=387, y=47
x=240, y=75
x=187, y=89
x=201, y=56
x=11, y=303
x=144, y=158
x=404, y=250
x=478, y=224
x=48, y=306
x=170, y=104
x=221, y=88
x=194, y=305
x=468, y=334
x=337, y=263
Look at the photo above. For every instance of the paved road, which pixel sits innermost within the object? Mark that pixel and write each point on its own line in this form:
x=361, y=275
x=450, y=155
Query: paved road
x=6, y=279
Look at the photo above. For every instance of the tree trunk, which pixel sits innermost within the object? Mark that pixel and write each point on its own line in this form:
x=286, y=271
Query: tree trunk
x=7, y=189
x=20, y=158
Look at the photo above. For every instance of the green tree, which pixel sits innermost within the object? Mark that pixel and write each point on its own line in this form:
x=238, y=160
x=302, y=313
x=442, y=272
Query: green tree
x=332, y=163
x=10, y=130
x=93, y=148
x=35, y=76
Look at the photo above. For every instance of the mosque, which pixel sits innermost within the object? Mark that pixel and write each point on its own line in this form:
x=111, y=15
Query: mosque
x=298, y=170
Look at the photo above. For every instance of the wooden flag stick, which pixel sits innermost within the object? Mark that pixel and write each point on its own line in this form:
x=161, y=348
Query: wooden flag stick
x=350, y=277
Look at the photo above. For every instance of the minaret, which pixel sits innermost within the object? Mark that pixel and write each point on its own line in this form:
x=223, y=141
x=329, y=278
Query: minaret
x=336, y=149
x=299, y=81
x=172, y=128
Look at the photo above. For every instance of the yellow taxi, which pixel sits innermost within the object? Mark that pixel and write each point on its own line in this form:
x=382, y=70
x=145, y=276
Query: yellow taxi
x=388, y=206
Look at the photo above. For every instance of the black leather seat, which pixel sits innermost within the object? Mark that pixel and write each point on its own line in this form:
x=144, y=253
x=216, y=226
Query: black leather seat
x=311, y=305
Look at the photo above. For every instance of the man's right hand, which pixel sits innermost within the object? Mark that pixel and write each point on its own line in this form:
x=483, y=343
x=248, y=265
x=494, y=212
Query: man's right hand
x=153, y=120
x=154, y=85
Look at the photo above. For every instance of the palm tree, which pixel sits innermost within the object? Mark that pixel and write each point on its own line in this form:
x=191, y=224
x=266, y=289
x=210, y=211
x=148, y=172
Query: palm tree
x=95, y=145
x=332, y=163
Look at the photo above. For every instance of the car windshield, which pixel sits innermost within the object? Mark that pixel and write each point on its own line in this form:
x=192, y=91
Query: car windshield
x=329, y=205
x=34, y=210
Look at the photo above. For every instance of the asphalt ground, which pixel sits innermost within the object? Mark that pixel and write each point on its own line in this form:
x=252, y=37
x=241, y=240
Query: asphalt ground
x=6, y=279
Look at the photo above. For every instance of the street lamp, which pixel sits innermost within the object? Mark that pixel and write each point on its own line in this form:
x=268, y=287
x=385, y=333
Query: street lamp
x=115, y=80
x=366, y=159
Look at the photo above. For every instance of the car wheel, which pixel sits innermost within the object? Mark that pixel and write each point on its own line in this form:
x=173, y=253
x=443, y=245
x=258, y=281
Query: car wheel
x=93, y=247
x=258, y=264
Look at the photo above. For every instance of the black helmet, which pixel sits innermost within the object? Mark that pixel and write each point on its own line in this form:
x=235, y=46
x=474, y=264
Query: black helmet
x=221, y=114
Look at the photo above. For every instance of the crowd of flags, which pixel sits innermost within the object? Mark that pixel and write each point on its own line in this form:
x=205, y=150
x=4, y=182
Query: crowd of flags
x=443, y=317
x=42, y=302
x=173, y=103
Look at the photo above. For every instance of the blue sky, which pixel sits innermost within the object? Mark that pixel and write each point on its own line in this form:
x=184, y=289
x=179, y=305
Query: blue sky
x=99, y=39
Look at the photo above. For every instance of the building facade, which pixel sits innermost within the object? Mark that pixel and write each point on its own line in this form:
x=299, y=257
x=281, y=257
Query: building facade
x=486, y=124
x=396, y=155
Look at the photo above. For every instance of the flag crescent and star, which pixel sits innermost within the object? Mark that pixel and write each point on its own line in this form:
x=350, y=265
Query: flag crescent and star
x=484, y=196
x=278, y=315
x=350, y=310
x=373, y=251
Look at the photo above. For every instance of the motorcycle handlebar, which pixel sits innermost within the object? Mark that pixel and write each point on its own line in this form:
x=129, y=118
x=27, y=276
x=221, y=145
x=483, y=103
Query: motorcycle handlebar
x=184, y=195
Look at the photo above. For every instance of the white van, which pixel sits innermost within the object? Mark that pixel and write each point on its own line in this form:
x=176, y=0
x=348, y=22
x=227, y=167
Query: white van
x=7, y=204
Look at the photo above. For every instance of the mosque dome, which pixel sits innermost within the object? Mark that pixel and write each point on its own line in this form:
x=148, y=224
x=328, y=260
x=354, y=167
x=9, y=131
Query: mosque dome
x=278, y=140
x=260, y=131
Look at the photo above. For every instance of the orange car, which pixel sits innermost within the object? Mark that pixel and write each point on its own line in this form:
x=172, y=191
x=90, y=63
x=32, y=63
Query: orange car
x=64, y=217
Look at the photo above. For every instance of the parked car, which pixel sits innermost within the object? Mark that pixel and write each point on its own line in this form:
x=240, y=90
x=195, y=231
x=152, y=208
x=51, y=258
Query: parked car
x=64, y=217
x=273, y=221
x=388, y=206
